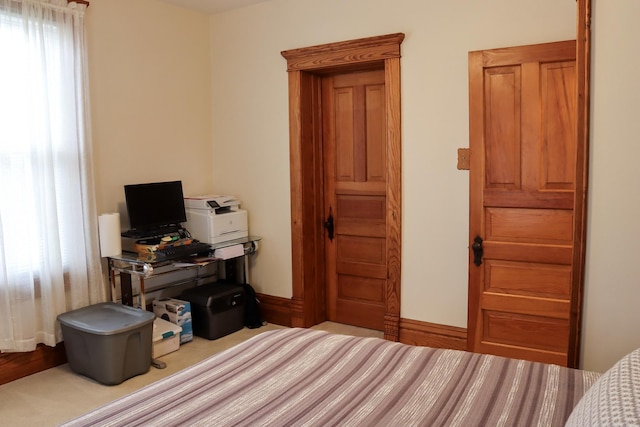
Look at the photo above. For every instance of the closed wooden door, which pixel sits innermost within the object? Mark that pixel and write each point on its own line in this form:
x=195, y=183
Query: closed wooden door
x=354, y=152
x=523, y=301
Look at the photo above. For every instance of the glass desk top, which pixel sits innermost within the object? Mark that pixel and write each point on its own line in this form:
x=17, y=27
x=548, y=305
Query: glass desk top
x=148, y=262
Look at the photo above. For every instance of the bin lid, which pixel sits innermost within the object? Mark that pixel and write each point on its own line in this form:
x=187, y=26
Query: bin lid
x=163, y=329
x=107, y=318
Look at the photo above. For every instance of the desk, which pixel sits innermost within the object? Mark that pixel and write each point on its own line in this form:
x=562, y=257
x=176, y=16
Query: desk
x=126, y=265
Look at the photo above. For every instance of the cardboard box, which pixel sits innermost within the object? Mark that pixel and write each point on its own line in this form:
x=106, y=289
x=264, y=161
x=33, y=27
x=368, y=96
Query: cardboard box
x=177, y=312
x=166, y=337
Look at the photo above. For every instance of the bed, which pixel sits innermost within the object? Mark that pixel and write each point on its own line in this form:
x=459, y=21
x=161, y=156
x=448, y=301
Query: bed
x=307, y=377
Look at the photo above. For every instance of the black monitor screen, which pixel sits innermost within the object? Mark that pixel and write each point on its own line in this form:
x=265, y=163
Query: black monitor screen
x=155, y=205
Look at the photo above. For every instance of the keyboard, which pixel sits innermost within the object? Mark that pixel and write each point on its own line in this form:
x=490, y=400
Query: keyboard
x=182, y=251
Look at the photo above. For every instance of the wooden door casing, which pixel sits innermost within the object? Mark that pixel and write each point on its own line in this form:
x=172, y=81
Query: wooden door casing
x=305, y=67
x=354, y=147
x=523, y=107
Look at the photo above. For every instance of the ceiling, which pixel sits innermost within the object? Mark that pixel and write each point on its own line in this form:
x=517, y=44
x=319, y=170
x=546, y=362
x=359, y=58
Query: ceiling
x=213, y=6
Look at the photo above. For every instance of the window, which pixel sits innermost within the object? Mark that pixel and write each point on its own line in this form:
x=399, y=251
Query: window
x=49, y=260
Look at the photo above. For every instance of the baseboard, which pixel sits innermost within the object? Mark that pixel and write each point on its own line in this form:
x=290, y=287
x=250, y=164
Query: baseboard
x=278, y=310
x=427, y=334
x=275, y=310
x=18, y=365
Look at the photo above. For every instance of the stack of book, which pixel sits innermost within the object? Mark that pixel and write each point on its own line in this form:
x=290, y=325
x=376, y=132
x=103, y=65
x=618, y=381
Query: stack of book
x=149, y=246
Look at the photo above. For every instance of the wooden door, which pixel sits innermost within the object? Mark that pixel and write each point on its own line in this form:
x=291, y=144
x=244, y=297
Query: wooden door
x=354, y=153
x=306, y=67
x=523, y=301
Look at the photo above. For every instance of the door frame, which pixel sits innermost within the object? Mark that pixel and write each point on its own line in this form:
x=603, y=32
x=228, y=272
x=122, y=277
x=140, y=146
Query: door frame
x=305, y=66
x=583, y=108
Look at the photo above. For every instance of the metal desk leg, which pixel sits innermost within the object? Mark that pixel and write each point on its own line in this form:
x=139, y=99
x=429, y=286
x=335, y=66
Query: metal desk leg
x=112, y=279
x=143, y=300
x=126, y=291
x=245, y=261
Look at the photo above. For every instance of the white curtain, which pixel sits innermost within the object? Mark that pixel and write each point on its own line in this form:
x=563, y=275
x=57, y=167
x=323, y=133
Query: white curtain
x=49, y=253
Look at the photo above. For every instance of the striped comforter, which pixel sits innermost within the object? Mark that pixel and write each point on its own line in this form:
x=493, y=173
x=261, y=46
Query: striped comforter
x=308, y=377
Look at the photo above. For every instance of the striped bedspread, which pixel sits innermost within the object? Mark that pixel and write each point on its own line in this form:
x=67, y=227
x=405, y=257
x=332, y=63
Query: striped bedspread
x=307, y=377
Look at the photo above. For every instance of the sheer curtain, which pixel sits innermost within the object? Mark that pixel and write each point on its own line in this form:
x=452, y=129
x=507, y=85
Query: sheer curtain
x=49, y=256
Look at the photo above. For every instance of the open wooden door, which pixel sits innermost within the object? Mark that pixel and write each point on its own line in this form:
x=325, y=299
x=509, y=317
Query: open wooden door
x=524, y=226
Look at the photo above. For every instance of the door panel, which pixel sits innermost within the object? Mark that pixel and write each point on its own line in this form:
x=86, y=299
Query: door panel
x=522, y=184
x=375, y=134
x=529, y=279
x=361, y=215
x=363, y=288
x=558, y=139
x=346, y=169
x=529, y=225
x=502, y=144
x=545, y=254
x=361, y=256
x=355, y=194
x=547, y=334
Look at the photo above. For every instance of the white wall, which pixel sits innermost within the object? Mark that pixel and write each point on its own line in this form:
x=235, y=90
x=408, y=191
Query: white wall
x=250, y=133
x=250, y=122
x=152, y=81
x=612, y=288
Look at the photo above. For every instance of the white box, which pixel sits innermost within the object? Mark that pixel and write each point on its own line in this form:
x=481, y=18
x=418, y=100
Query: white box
x=229, y=252
x=166, y=337
x=178, y=312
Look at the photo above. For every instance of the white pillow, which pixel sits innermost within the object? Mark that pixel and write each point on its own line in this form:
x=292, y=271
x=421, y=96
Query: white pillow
x=614, y=399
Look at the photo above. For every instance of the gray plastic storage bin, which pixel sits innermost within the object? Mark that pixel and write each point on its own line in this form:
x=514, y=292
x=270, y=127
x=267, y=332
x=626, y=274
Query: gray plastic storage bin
x=108, y=342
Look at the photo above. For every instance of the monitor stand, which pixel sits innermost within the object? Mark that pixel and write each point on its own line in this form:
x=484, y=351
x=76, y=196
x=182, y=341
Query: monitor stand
x=149, y=233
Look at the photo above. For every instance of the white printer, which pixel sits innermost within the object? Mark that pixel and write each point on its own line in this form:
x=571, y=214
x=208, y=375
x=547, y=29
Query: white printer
x=215, y=219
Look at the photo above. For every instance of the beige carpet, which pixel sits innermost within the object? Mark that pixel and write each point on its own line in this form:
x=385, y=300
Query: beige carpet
x=53, y=396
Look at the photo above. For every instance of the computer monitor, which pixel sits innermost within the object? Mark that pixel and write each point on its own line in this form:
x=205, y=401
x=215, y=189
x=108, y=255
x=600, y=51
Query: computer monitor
x=155, y=205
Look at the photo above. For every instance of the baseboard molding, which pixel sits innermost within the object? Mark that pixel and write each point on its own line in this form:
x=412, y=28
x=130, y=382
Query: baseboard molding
x=275, y=310
x=14, y=366
x=18, y=365
x=426, y=334
x=278, y=310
